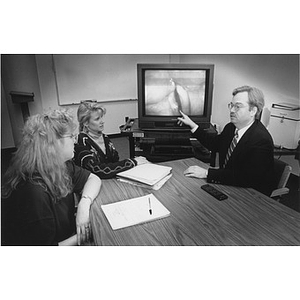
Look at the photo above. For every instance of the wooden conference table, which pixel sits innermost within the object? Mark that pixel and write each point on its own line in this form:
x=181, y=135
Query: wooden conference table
x=247, y=217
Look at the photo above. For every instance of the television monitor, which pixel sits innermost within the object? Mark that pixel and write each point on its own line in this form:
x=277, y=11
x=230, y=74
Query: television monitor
x=166, y=89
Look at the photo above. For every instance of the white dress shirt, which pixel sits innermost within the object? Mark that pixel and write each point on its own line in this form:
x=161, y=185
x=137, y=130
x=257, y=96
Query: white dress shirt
x=242, y=131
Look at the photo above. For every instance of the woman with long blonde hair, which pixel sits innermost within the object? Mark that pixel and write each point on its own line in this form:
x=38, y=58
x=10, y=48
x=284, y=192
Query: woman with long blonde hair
x=38, y=205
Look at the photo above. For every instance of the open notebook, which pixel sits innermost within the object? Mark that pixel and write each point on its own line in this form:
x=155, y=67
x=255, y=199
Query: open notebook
x=134, y=211
x=148, y=173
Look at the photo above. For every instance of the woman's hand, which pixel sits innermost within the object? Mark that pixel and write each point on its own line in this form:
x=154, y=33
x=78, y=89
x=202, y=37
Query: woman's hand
x=195, y=171
x=83, y=225
x=141, y=160
x=90, y=191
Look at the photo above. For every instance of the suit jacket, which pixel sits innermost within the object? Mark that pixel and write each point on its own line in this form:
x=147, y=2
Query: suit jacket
x=252, y=161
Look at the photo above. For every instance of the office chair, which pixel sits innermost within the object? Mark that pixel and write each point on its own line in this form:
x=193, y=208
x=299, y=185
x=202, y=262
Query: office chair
x=282, y=173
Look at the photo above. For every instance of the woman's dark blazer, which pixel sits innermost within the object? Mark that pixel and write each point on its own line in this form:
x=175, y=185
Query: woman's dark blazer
x=252, y=161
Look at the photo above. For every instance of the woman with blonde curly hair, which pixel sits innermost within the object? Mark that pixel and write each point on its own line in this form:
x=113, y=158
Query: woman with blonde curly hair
x=94, y=150
x=38, y=205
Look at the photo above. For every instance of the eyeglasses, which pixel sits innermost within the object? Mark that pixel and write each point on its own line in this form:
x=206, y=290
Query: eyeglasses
x=72, y=136
x=235, y=106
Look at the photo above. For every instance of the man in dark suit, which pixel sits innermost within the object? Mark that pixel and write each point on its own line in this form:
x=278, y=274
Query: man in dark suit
x=245, y=146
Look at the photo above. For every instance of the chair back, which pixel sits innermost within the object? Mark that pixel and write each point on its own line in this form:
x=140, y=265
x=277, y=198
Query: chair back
x=282, y=173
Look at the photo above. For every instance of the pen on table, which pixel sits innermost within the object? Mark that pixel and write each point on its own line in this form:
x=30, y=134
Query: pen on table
x=150, y=210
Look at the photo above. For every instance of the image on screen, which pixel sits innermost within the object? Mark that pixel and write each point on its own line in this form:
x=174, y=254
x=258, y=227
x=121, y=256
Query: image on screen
x=169, y=91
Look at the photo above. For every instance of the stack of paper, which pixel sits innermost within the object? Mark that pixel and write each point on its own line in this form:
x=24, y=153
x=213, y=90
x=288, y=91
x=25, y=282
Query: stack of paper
x=134, y=211
x=155, y=187
x=149, y=175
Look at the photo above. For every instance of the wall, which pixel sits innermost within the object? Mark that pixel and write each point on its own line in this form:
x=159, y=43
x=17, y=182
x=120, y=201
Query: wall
x=276, y=75
x=7, y=140
x=116, y=111
x=19, y=74
x=103, y=77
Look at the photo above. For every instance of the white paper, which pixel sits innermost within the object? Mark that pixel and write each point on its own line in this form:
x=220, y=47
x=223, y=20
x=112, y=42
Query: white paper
x=134, y=211
x=146, y=173
x=154, y=187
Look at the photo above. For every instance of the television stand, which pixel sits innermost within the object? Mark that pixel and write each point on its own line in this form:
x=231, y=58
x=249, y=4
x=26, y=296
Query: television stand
x=172, y=150
x=165, y=145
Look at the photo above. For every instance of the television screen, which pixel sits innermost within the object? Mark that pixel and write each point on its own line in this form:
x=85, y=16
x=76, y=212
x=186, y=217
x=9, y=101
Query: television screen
x=167, y=92
x=166, y=89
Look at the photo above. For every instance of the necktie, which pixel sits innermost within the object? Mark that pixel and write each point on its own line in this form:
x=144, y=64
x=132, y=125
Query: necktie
x=231, y=147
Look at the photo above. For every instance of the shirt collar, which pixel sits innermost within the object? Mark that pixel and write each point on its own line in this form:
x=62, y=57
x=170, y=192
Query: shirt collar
x=94, y=136
x=242, y=131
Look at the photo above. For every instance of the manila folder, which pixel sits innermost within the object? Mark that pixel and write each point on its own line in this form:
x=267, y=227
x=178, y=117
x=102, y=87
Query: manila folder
x=146, y=173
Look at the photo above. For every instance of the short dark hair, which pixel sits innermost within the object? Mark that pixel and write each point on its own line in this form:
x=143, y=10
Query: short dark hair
x=255, y=98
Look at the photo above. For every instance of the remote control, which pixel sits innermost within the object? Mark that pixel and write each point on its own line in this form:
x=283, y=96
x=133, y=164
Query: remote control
x=214, y=192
